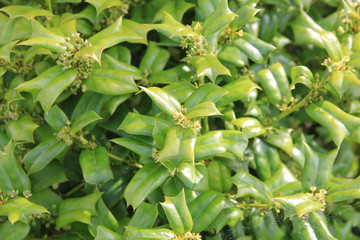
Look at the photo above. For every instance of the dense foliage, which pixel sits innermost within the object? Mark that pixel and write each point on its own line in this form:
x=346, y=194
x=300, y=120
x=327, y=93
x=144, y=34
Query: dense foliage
x=179, y=119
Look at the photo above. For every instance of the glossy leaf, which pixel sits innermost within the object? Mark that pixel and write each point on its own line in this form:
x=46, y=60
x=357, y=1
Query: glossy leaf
x=77, y=210
x=20, y=209
x=303, y=75
x=22, y=130
x=336, y=121
x=15, y=11
x=194, y=176
x=56, y=118
x=83, y=120
x=138, y=124
x=6, y=50
x=146, y=180
x=144, y=216
x=178, y=214
x=219, y=177
x=203, y=110
x=137, y=145
x=179, y=148
x=245, y=13
x=281, y=139
x=155, y=58
x=250, y=186
x=319, y=226
x=343, y=80
x=281, y=178
x=12, y=176
x=317, y=169
x=298, y=204
x=209, y=144
x=250, y=126
x=344, y=191
x=205, y=208
x=303, y=229
x=209, y=66
x=110, y=82
x=95, y=165
x=235, y=142
x=104, y=233
x=174, y=8
x=104, y=4
x=163, y=100
x=226, y=216
x=180, y=90
x=43, y=154
x=159, y=233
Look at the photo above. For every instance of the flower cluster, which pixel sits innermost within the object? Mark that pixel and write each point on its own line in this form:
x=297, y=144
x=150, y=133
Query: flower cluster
x=320, y=196
x=83, y=64
x=286, y=105
x=194, y=45
x=337, y=66
x=10, y=113
x=69, y=138
x=180, y=119
x=4, y=197
x=350, y=18
x=189, y=236
x=230, y=34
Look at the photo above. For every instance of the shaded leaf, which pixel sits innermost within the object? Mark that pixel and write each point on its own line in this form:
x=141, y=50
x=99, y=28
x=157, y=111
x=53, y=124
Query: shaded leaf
x=137, y=145
x=16, y=231
x=56, y=118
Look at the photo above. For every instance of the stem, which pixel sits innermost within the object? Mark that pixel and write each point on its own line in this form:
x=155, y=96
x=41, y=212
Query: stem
x=75, y=189
x=206, y=124
x=122, y=160
x=256, y=205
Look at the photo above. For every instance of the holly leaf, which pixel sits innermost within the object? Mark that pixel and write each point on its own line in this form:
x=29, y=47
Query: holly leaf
x=209, y=66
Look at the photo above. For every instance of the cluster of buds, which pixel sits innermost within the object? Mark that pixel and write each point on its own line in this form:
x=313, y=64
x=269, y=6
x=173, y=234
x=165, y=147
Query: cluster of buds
x=17, y=65
x=337, y=66
x=195, y=46
x=189, y=236
x=230, y=34
x=27, y=193
x=155, y=154
x=320, y=196
x=4, y=197
x=69, y=138
x=9, y=114
x=180, y=119
x=351, y=19
x=83, y=64
x=286, y=105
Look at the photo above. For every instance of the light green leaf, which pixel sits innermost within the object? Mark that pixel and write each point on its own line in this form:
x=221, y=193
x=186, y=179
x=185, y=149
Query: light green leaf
x=205, y=208
x=209, y=66
x=303, y=75
x=320, y=226
x=194, y=176
x=20, y=209
x=77, y=210
x=179, y=148
x=232, y=55
x=6, y=50
x=209, y=144
x=178, y=214
x=41, y=155
x=146, y=180
x=165, y=101
x=180, y=90
x=22, y=130
x=110, y=82
x=219, y=177
x=250, y=186
x=101, y=5
x=245, y=13
x=95, y=165
x=282, y=139
x=235, y=142
x=83, y=120
x=282, y=177
x=298, y=204
x=303, y=229
x=336, y=121
x=174, y=8
x=12, y=176
x=203, y=110
x=144, y=216
x=343, y=80
x=343, y=192
x=104, y=233
x=46, y=43
x=15, y=11
x=158, y=233
x=250, y=126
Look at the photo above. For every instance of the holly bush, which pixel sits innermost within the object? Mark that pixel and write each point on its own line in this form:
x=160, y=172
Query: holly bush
x=179, y=119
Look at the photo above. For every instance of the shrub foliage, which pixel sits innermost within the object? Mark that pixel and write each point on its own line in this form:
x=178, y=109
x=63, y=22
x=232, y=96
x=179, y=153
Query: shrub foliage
x=179, y=119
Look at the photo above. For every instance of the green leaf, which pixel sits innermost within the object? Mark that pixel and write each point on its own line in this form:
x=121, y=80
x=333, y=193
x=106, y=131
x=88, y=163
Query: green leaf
x=205, y=208
x=171, y=28
x=95, y=165
x=77, y=210
x=240, y=89
x=232, y=55
x=253, y=47
x=104, y=233
x=20, y=209
x=203, y=110
x=47, y=87
x=209, y=144
x=320, y=226
x=144, y=216
x=250, y=186
x=41, y=155
x=180, y=90
x=317, y=169
x=5, y=50
x=235, y=142
x=250, y=126
x=174, y=8
x=46, y=43
x=179, y=148
x=245, y=13
x=83, y=120
x=16, y=231
x=53, y=173
x=165, y=101
x=346, y=191
x=178, y=214
x=281, y=139
x=12, y=176
x=275, y=84
x=56, y=118
x=209, y=66
x=101, y=5
x=137, y=145
x=110, y=82
x=303, y=229
x=298, y=204
x=146, y=180
x=158, y=233
x=15, y=11
x=303, y=75
x=226, y=216
x=138, y=124
x=109, y=62
x=154, y=59
x=219, y=177
x=343, y=80
x=281, y=178
x=22, y=130
x=194, y=176
x=336, y=121
x=218, y=19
